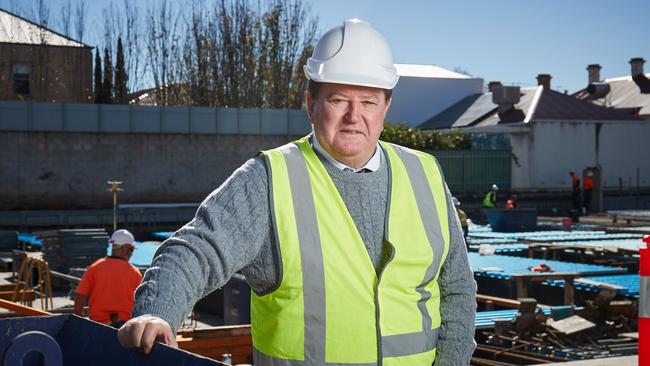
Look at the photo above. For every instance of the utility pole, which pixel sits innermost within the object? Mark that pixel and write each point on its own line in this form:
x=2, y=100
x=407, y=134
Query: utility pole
x=114, y=188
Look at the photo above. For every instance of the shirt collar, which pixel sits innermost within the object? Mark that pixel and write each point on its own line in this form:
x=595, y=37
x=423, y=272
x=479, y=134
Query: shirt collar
x=372, y=164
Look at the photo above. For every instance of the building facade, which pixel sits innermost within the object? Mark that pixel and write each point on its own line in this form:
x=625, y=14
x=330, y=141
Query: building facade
x=37, y=64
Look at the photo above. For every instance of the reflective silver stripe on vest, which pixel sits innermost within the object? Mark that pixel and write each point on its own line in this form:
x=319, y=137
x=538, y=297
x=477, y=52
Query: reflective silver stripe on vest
x=313, y=274
x=426, y=205
x=410, y=343
x=260, y=358
x=644, y=294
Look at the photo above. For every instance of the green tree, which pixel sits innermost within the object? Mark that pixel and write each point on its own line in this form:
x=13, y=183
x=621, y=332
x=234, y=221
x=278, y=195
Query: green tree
x=98, y=78
x=121, y=77
x=425, y=139
x=107, y=83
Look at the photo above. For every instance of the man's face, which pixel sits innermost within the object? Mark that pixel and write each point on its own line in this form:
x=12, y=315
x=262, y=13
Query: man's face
x=348, y=120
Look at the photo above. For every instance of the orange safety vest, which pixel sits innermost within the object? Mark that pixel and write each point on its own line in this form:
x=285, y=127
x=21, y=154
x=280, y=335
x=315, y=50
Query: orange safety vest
x=588, y=183
x=576, y=181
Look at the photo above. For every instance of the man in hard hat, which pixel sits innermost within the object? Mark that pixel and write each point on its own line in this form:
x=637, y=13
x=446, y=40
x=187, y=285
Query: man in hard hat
x=575, y=192
x=462, y=217
x=350, y=245
x=108, y=285
x=587, y=189
x=490, y=199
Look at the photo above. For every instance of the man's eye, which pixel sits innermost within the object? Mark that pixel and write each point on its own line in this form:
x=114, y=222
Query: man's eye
x=368, y=102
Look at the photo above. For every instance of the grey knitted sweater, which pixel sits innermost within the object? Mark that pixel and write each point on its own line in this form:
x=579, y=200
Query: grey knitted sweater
x=232, y=232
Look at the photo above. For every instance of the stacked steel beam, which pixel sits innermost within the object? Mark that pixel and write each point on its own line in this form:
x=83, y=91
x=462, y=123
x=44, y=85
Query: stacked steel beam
x=65, y=249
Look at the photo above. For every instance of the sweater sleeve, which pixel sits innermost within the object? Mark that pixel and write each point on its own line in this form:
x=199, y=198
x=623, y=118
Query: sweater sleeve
x=228, y=232
x=457, y=300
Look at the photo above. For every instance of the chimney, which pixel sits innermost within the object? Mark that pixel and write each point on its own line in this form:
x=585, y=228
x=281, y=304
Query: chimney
x=594, y=73
x=544, y=80
x=506, y=97
x=637, y=66
x=494, y=84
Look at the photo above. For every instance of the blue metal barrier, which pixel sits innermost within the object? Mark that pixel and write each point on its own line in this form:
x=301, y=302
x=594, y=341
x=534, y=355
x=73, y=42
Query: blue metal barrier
x=504, y=267
x=80, y=342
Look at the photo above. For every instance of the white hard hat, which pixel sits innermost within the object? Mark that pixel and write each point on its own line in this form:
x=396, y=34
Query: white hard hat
x=590, y=173
x=121, y=237
x=495, y=187
x=455, y=201
x=353, y=54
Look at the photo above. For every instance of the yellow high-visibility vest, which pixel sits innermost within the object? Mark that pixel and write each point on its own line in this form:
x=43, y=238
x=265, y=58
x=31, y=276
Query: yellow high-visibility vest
x=330, y=307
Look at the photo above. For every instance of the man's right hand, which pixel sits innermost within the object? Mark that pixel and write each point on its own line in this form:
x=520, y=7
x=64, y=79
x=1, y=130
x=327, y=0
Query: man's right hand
x=143, y=331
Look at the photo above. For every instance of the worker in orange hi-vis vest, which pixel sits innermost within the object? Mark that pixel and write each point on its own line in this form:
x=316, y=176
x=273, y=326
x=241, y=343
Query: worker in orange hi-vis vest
x=587, y=189
x=109, y=283
x=575, y=191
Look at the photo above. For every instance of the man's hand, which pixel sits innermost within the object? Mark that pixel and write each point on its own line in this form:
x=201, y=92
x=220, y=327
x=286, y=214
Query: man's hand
x=141, y=333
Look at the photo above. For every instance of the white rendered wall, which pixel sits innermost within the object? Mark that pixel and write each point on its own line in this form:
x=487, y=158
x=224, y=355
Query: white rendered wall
x=623, y=149
x=555, y=148
x=416, y=99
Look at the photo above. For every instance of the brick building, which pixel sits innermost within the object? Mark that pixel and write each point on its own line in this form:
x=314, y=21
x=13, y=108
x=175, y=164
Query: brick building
x=38, y=64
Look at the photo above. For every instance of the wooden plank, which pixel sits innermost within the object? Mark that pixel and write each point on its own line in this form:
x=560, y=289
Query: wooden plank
x=522, y=290
x=30, y=295
x=500, y=301
x=569, y=291
x=21, y=309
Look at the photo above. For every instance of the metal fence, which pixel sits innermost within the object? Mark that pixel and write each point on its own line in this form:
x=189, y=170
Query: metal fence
x=475, y=170
x=105, y=118
x=465, y=170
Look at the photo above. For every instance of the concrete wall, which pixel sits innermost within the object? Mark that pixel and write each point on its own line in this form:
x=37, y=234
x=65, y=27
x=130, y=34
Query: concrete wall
x=71, y=170
x=60, y=156
x=59, y=74
x=556, y=147
x=69, y=117
x=416, y=99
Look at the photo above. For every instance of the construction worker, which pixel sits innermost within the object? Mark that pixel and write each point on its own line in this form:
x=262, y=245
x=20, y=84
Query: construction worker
x=326, y=229
x=512, y=203
x=575, y=192
x=587, y=189
x=490, y=199
x=108, y=285
x=462, y=217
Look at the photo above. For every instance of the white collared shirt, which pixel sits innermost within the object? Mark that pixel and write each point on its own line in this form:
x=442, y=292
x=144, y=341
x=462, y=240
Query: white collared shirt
x=372, y=164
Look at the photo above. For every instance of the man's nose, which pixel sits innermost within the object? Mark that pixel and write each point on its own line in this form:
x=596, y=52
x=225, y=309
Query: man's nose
x=353, y=114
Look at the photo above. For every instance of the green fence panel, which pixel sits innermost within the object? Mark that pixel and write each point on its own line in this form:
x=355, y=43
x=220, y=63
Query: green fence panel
x=475, y=170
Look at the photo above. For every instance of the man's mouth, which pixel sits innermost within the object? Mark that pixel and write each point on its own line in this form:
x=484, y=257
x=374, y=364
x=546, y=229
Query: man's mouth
x=353, y=132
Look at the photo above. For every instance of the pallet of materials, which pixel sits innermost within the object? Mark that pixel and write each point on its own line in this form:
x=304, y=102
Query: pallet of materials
x=65, y=249
x=8, y=241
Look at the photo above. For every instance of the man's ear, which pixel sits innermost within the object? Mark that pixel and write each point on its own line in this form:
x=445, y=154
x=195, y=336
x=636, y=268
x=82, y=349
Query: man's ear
x=310, y=104
x=388, y=104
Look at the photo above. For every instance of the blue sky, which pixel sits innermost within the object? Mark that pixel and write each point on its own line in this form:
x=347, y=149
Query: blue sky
x=506, y=40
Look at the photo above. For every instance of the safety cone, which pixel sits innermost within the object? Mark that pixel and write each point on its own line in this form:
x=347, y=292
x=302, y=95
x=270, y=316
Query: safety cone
x=644, y=303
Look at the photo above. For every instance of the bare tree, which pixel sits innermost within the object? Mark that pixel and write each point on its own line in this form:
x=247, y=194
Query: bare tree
x=133, y=43
x=163, y=51
x=113, y=24
x=80, y=20
x=66, y=11
x=42, y=13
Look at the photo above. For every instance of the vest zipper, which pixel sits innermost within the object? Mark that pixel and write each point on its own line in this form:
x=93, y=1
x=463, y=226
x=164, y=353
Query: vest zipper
x=380, y=357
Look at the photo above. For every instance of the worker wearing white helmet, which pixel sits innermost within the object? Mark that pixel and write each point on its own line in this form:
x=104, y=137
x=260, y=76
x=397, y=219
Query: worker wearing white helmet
x=490, y=199
x=108, y=283
x=350, y=245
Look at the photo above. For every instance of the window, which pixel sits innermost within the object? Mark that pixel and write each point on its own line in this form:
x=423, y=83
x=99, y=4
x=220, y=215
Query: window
x=22, y=75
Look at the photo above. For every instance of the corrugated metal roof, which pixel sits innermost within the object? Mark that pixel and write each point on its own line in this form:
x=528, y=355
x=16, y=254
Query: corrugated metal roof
x=624, y=93
x=14, y=29
x=554, y=105
x=427, y=71
x=462, y=113
x=475, y=110
x=535, y=103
